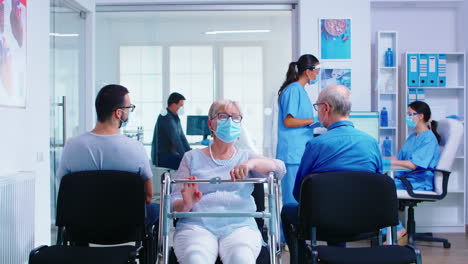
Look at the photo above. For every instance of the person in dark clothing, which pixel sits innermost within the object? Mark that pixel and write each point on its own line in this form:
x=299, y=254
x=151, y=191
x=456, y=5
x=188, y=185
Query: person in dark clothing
x=169, y=142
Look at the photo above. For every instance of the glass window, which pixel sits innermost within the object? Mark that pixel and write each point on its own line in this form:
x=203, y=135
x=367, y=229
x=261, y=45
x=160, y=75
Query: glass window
x=243, y=82
x=191, y=74
x=204, y=55
x=141, y=73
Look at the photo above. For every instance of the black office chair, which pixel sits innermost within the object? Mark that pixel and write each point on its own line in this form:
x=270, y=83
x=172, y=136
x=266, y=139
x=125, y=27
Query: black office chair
x=339, y=206
x=451, y=134
x=100, y=207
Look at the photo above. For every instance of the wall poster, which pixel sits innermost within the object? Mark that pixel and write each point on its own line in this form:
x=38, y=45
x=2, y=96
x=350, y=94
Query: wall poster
x=335, y=76
x=13, y=53
x=335, y=39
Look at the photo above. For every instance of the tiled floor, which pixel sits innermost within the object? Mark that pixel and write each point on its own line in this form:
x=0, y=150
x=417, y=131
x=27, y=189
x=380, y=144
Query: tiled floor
x=433, y=253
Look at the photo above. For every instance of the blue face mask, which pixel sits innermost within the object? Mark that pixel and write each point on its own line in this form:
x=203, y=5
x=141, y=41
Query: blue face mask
x=410, y=122
x=313, y=82
x=124, y=123
x=227, y=130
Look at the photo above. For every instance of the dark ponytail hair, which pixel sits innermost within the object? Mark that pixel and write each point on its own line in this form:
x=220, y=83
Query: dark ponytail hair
x=423, y=108
x=306, y=61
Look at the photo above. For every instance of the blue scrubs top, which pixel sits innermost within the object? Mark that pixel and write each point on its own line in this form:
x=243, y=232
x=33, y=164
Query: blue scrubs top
x=341, y=148
x=422, y=151
x=293, y=101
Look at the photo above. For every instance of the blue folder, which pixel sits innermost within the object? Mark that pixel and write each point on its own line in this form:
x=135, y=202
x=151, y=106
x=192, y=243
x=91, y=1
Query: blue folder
x=412, y=95
x=423, y=69
x=442, y=70
x=413, y=69
x=421, y=95
x=432, y=72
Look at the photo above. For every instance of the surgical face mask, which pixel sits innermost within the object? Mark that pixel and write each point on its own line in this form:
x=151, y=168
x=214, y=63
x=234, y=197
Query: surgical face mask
x=123, y=123
x=181, y=111
x=312, y=82
x=410, y=122
x=227, y=130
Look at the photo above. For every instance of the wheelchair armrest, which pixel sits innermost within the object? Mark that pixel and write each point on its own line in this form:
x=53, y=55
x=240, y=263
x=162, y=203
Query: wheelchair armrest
x=409, y=187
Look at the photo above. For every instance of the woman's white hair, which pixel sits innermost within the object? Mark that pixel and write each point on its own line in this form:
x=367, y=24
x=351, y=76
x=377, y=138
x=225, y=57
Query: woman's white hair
x=337, y=96
x=222, y=103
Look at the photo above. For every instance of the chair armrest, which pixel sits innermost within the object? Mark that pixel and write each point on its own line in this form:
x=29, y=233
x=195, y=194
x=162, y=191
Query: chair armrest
x=34, y=251
x=409, y=187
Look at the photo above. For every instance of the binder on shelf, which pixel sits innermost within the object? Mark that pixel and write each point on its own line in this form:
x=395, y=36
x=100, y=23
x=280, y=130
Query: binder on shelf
x=442, y=70
x=423, y=66
x=413, y=69
x=412, y=95
x=420, y=95
x=432, y=70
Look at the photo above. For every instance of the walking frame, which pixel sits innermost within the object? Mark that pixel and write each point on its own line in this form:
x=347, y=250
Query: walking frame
x=273, y=215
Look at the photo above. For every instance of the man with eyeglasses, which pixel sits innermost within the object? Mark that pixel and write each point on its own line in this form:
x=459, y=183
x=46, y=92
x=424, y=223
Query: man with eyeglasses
x=105, y=148
x=341, y=148
x=169, y=141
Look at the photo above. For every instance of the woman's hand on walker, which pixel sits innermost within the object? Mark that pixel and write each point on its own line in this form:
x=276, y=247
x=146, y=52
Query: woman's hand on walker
x=242, y=170
x=190, y=194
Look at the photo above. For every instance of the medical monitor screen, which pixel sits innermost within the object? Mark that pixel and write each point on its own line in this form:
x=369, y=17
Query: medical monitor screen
x=367, y=122
x=197, y=125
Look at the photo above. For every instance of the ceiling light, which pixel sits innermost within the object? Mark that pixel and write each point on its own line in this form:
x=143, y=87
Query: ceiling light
x=63, y=35
x=237, y=31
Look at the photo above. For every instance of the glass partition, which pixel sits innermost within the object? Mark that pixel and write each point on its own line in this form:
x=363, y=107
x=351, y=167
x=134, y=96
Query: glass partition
x=204, y=55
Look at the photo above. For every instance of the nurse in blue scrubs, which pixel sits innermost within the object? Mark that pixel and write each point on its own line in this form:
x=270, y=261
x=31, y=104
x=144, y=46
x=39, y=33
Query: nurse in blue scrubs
x=420, y=151
x=295, y=114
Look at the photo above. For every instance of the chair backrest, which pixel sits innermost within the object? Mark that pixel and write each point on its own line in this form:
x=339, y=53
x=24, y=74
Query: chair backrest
x=103, y=207
x=451, y=135
x=344, y=204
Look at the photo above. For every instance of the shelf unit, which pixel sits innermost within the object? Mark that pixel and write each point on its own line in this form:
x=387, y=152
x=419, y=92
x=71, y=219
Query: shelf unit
x=447, y=215
x=386, y=88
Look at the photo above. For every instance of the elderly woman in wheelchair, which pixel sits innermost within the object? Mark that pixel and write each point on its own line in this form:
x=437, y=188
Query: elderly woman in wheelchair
x=234, y=239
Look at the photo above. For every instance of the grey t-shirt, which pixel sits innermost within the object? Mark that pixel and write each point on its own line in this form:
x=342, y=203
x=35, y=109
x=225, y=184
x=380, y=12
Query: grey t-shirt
x=104, y=152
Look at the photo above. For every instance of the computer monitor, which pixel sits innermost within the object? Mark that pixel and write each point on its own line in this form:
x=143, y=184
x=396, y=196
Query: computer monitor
x=197, y=125
x=367, y=122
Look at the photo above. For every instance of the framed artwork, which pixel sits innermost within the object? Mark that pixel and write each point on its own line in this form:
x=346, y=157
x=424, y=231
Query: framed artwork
x=335, y=39
x=335, y=76
x=13, y=53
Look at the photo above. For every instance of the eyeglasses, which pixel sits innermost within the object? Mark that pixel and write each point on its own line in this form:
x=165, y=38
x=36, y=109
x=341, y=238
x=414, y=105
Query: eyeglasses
x=412, y=114
x=316, y=106
x=131, y=107
x=318, y=66
x=224, y=116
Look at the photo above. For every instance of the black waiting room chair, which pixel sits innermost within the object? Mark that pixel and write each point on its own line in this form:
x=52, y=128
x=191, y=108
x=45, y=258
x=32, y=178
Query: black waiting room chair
x=339, y=206
x=100, y=207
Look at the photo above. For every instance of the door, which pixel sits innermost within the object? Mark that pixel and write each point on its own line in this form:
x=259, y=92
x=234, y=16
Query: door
x=67, y=46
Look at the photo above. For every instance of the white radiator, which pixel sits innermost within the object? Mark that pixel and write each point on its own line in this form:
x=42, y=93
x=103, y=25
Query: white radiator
x=17, y=201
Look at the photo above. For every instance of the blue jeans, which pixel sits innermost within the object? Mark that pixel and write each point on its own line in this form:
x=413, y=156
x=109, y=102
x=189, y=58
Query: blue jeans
x=152, y=213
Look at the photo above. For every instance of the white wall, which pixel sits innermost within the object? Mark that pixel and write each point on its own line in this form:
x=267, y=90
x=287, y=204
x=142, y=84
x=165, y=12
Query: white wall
x=419, y=29
x=359, y=12
x=25, y=133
